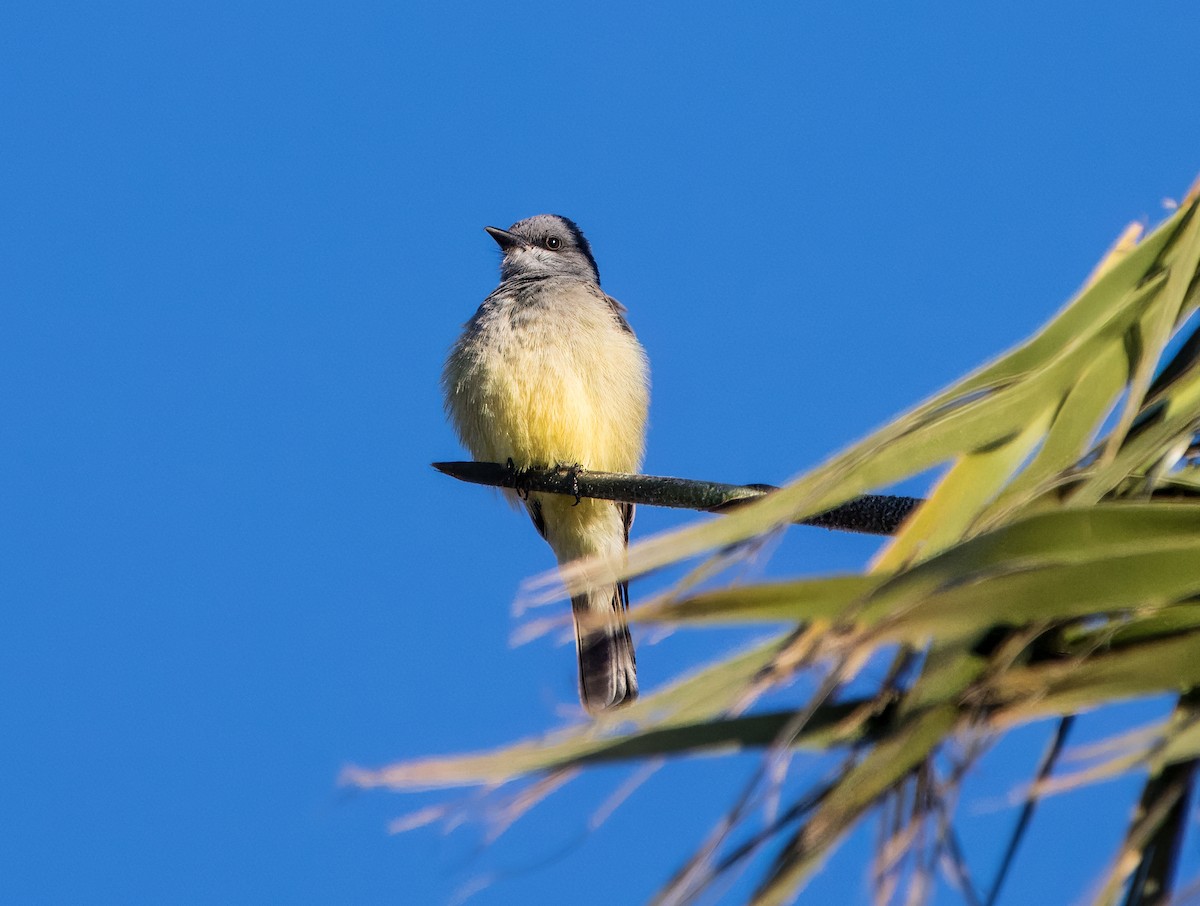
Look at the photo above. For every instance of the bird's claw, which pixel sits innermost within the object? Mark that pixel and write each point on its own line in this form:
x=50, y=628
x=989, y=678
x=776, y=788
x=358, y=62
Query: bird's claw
x=572, y=470
x=517, y=476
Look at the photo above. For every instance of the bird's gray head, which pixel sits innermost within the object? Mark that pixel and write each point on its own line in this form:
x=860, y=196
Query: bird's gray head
x=545, y=246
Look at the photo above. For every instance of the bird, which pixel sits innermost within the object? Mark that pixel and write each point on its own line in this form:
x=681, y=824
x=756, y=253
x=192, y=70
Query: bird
x=549, y=374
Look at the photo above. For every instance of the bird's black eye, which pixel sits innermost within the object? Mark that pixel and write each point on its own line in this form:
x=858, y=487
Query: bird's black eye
x=553, y=243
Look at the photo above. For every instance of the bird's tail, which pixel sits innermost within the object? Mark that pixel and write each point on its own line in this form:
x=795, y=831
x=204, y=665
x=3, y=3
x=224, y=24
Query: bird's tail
x=607, y=666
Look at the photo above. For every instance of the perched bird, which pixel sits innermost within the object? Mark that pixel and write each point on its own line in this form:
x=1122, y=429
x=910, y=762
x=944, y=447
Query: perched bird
x=548, y=373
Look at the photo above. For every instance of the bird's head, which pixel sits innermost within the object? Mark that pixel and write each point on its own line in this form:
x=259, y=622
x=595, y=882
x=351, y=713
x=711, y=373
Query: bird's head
x=546, y=245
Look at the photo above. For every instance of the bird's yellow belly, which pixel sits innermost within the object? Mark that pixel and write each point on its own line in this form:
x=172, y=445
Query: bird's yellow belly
x=551, y=388
x=552, y=417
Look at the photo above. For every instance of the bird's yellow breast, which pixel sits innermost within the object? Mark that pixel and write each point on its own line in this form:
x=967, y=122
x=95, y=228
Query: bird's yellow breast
x=565, y=385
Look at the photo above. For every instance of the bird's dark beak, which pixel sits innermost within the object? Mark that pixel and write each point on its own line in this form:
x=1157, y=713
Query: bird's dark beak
x=504, y=238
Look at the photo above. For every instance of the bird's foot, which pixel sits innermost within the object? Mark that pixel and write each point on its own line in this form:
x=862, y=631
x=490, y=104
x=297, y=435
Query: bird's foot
x=517, y=477
x=571, y=470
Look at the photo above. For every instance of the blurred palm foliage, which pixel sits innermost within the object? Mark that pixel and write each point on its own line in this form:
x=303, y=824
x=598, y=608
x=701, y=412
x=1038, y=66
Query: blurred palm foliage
x=1054, y=568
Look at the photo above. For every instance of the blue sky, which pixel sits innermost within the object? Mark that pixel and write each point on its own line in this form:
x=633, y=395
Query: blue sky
x=237, y=241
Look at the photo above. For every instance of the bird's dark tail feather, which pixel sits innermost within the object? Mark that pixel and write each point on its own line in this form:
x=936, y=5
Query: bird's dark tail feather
x=607, y=666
